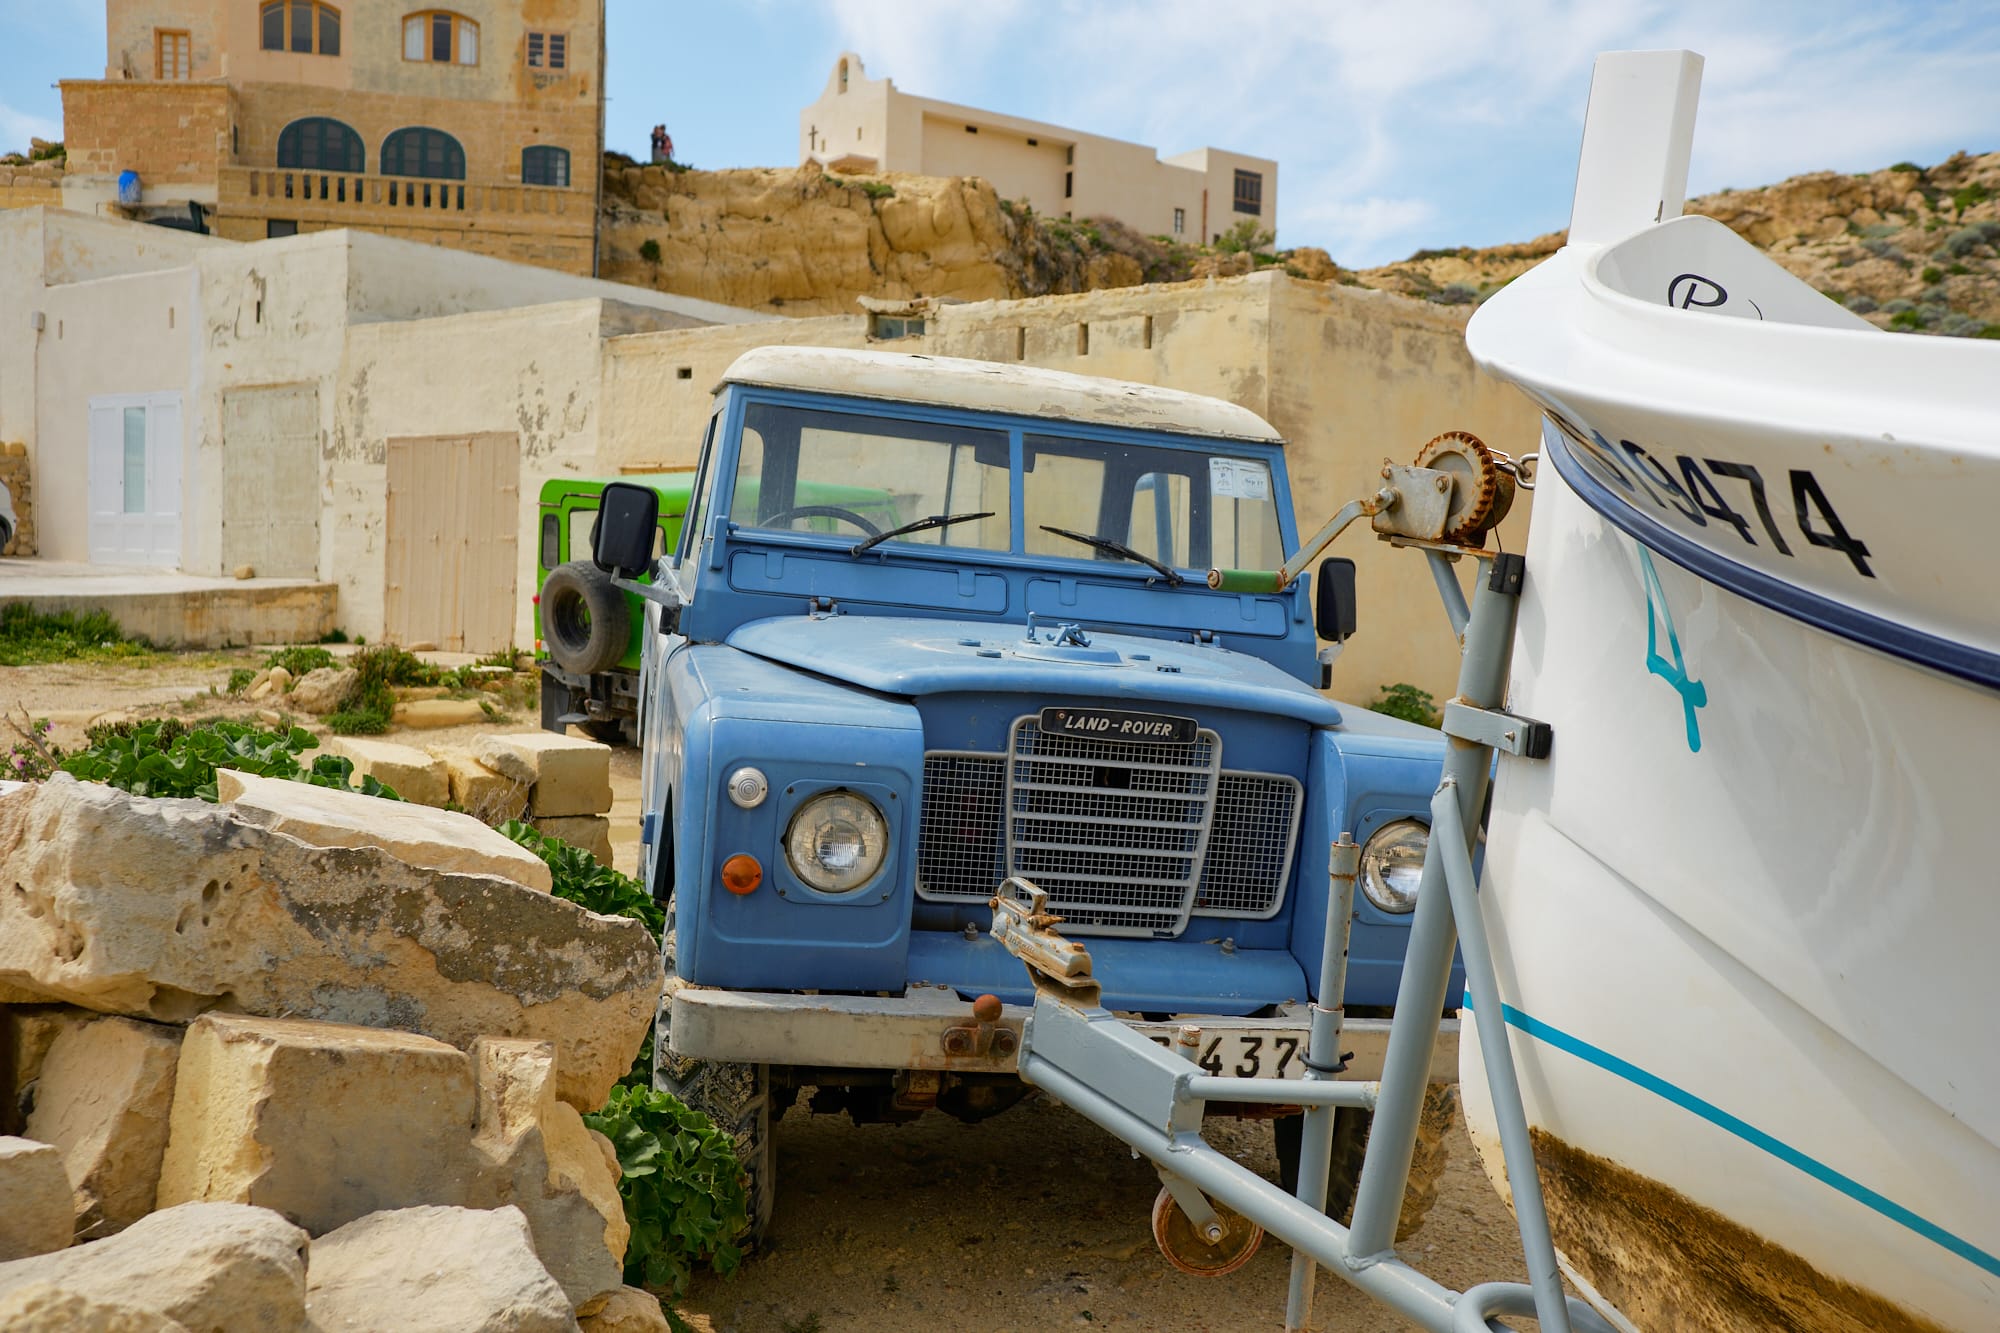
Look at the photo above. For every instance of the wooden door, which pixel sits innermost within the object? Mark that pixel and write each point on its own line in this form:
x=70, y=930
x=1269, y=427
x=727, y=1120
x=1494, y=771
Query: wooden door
x=270, y=490
x=453, y=506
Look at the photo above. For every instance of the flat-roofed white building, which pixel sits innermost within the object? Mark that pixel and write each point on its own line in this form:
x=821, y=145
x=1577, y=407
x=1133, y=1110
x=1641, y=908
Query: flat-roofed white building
x=861, y=124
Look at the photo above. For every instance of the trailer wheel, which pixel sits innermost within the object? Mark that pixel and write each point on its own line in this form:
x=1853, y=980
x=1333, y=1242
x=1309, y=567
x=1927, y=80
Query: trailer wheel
x=1190, y=1252
x=584, y=619
x=736, y=1097
x=1350, y=1147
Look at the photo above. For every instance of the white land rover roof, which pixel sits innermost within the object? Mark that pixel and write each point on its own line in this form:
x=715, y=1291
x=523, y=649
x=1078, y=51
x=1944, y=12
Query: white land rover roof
x=988, y=386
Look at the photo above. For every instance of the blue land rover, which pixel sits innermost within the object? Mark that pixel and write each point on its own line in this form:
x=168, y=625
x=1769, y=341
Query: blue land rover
x=857, y=721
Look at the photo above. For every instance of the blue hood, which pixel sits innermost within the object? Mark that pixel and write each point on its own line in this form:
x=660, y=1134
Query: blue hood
x=908, y=658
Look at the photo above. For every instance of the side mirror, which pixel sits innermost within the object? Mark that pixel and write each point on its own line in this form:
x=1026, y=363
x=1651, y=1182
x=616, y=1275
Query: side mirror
x=1333, y=600
x=621, y=541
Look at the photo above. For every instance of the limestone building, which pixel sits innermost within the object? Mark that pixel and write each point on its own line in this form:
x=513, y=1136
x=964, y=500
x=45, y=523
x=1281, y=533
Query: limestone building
x=861, y=124
x=477, y=127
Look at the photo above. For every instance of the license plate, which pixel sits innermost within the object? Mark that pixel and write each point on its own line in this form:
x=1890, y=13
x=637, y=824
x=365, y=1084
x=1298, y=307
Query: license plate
x=1240, y=1052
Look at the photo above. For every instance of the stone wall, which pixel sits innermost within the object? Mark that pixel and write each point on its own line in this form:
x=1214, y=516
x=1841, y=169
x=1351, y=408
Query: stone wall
x=31, y=185
x=170, y=133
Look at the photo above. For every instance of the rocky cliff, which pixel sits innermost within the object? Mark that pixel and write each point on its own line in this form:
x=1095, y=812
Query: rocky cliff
x=1909, y=247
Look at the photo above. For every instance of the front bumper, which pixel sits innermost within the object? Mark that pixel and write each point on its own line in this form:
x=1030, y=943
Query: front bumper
x=910, y=1032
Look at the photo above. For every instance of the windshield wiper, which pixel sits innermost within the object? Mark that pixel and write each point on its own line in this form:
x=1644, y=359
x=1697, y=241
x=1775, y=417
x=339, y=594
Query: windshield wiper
x=921, y=525
x=1174, y=580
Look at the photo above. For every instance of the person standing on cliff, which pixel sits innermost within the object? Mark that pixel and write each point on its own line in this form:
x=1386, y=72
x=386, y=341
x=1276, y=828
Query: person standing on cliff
x=663, y=145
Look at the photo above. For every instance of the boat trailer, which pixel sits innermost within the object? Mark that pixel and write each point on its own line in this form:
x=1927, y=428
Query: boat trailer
x=1212, y=1213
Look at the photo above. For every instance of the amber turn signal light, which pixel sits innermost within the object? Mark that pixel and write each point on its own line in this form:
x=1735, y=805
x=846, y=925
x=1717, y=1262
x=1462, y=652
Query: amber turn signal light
x=741, y=874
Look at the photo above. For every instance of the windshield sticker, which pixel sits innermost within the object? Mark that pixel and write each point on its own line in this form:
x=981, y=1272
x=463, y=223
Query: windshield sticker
x=1238, y=479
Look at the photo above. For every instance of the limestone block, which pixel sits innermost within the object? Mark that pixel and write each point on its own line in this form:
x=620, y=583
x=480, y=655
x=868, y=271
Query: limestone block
x=426, y=714
x=590, y=832
x=35, y=1211
x=103, y=1097
x=488, y=795
x=324, y=689
x=434, y=1270
x=162, y=908
x=321, y=1122
x=416, y=834
x=630, y=1310
x=414, y=775
x=215, y=1267
x=44, y=1308
x=571, y=776
x=270, y=684
x=26, y=1033
x=538, y=1155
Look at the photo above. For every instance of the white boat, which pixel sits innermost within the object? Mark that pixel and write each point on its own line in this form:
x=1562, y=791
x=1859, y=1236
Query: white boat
x=1746, y=916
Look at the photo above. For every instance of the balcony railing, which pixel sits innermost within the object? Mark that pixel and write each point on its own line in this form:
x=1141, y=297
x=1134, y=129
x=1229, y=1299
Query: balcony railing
x=328, y=195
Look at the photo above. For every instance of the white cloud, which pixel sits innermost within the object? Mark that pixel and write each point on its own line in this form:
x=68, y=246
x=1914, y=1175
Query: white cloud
x=17, y=127
x=1378, y=112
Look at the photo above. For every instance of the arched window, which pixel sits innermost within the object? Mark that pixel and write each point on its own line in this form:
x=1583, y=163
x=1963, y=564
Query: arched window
x=319, y=144
x=300, y=25
x=543, y=165
x=420, y=151
x=440, y=37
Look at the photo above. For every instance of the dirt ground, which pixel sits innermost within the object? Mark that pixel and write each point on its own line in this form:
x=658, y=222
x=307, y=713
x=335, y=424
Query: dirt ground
x=1034, y=1220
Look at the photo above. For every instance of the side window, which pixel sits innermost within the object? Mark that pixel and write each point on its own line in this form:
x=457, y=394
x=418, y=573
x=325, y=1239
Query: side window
x=581, y=521
x=551, y=541
x=697, y=514
x=1062, y=491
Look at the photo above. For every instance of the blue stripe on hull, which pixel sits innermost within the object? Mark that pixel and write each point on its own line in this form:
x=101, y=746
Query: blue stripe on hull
x=1715, y=1115
x=1870, y=631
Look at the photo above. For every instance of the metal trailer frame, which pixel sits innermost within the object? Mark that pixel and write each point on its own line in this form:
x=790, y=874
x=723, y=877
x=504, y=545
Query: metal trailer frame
x=1154, y=1099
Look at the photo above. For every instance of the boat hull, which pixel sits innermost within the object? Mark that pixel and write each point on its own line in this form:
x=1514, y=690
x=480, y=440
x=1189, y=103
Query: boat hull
x=1743, y=919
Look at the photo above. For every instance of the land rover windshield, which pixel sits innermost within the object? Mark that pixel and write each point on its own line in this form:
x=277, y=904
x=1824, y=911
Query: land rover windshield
x=858, y=475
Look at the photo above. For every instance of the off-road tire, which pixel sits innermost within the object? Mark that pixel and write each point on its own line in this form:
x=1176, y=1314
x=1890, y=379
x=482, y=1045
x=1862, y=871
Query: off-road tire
x=1350, y=1147
x=737, y=1097
x=606, y=733
x=585, y=620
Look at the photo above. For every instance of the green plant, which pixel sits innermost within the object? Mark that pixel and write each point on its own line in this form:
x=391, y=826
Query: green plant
x=239, y=680
x=299, y=661
x=168, y=757
x=1931, y=275
x=582, y=879
x=649, y=250
x=681, y=1184
x=877, y=189
x=33, y=755
x=1409, y=703
x=1245, y=235
x=1908, y=166
x=334, y=635
x=29, y=636
x=1966, y=196
x=47, y=152
x=1906, y=319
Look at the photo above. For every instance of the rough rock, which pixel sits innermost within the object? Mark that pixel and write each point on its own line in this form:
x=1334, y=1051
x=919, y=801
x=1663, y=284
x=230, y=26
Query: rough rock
x=630, y=1310
x=425, y=714
x=417, y=834
x=161, y=909
x=538, y=1155
x=590, y=832
x=570, y=775
x=413, y=775
x=36, y=1216
x=1313, y=264
x=103, y=1097
x=26, y=1033
x=43, y=1308
x=434, y=1270
x=487, y=795
x=270, y=683
x=215, y=1267
x=324, y=689
x=322, y=1122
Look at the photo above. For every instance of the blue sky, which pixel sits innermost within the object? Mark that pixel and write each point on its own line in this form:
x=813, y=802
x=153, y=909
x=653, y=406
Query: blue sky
x=1397, y=124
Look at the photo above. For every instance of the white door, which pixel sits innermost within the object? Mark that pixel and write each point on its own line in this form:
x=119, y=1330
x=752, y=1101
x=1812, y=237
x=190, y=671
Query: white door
x=135, y=479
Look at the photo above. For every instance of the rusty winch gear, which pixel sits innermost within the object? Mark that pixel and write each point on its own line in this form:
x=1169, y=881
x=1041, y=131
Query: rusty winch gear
x=1482, y=485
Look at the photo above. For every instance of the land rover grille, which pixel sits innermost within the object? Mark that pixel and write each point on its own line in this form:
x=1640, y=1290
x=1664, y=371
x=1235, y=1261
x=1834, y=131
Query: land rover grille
x=1128, y=837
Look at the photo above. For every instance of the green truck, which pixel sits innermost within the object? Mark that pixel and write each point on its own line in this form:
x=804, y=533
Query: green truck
x=588, y=633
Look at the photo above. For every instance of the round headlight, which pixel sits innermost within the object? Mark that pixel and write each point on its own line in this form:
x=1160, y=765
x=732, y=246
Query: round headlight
x=1392, y=864
x=836, y=841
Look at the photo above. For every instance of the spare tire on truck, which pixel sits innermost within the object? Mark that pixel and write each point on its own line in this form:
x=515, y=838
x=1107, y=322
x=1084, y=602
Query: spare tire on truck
x=585, y=621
